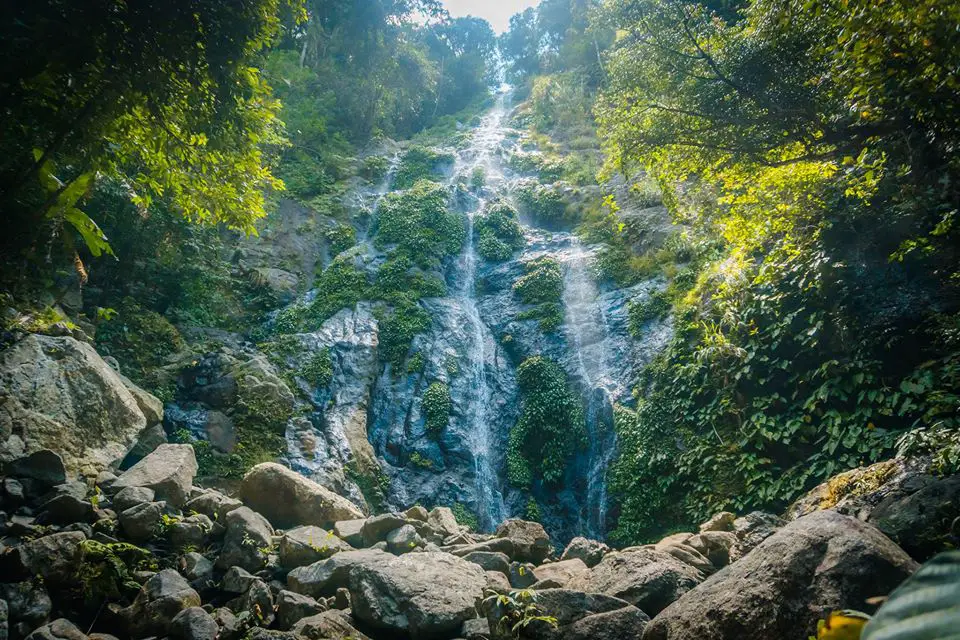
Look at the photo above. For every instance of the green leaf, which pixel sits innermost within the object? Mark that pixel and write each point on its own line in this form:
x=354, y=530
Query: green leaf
x=92, y=236
x=925, y=607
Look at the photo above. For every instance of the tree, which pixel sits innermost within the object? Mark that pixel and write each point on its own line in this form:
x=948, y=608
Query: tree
x=163, y=99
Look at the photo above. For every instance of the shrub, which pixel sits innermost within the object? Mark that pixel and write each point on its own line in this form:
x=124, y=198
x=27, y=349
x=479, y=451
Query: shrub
x=543, y=203
x=654, y=306
x=139, y=339
x=499, y=232
x=318, y=370
x=549, y=316
x=419, y=163
x=418, y=223
x=416, y=363
x=374, y=168
x=340, y=237
x=436, y=408
x=551, y=424
x=543, y=281
x=464, y=516
x=339, y=286
x=398, y=328
x=418, y=460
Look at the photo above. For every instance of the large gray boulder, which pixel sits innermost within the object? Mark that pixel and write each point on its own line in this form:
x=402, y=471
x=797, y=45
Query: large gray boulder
x=590, y=551
x=57, y=393
x=248, y=541
x=323, y=578
x=287, y=499
x=169, y=470
x=160, y=599
x=305, y=545
x=646, y=578
x=559, y=574
x=59, y=629
x=921, y=521
x=820, y=562
x=53, y=557
x=530, y=540
x=193, y=624
x=420, y=595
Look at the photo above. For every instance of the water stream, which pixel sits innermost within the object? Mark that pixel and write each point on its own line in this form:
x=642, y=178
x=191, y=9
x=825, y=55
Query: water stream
x=480, y=154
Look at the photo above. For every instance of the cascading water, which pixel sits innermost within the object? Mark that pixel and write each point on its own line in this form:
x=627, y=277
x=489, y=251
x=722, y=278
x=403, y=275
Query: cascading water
x=587, y=332
x=480, y=154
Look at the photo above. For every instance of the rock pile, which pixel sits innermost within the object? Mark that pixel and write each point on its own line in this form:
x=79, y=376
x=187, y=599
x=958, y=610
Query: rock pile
x=147, y=554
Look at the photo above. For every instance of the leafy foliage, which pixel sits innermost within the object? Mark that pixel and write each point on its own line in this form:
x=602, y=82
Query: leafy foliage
x=318, y=370
x=419, y=163
x=544, y=203
x=418, y=223
x=543, y=281
x=139, y=338
x=464, y=516
x=436, y=408
x=498, y=231
x=550, y=428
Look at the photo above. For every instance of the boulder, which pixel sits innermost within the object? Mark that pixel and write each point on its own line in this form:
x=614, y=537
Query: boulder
x=132, y=496
x=418, y=513
x=350, y=531
x=751, y=530
x=920, y=522
x=58, y=394
x=141, y=522
x=521, y=575
x=646, y=578
x=27, y=602
x=287, y=499
x=560, y=573
x=161, y=598
x=329, y=625
x=442, y=520
x=590, y=551
x=722, y=521
x=59, y=629
x=150, y=405
x=716, y=546
x=530, y=540
x=496, y=545
x=293, y=607
x=193, y=624
x=375, y=529
x=45, y=467
x=403, y=539
x=212, y=504
x=147, y=442
x=305, y=545
x=237, y=580
x=195, y=566
x=248, y=540
x=169, y=471
x=821, y=562
x=489, y=561
x=257, y=602
x=191, y=531
x=422, y=595
x=688, y=555
x=579, y=615
x=53, y=557
x=323, y=578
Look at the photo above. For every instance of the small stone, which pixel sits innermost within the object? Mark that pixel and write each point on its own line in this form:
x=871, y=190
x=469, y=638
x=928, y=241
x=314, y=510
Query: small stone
x=350, y=531
x=342, y=598
x=142, y=522
x=236, y=580
x=131, y=497
x=59, y=629
x=195, y=566
x=722, y=521
x=375, y=529
x=169, y=470
x=416, y=512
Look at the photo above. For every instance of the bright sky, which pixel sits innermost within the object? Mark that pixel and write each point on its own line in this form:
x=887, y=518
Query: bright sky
x=496, y=12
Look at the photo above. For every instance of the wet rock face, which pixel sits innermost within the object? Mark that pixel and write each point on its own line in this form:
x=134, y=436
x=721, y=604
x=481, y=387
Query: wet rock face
x=777, y=591
x=59, y=394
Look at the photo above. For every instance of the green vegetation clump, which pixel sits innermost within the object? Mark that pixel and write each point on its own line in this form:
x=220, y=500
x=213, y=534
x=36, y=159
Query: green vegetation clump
x=543, y=281
x=550, y=428
x=436, y=408
x=418, y=224
x=340, y=237
x=464, y=516
x=654, y=306
x=374, y=168
x=499, y=232
x=549, y=316
x=420, y=163
x=105, y=570
x=318, y=370
x=398, y=327
x=416, y=363
x=545, y=204
x=418, y=460
x=533, y=512
x=373, y=483
x=140, y=339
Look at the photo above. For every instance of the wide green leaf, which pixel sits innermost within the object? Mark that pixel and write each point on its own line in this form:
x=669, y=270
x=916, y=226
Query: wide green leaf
x=925, y=607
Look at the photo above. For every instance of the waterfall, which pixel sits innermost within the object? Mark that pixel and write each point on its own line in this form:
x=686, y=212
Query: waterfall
x=587, y=333
x=482, y=441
